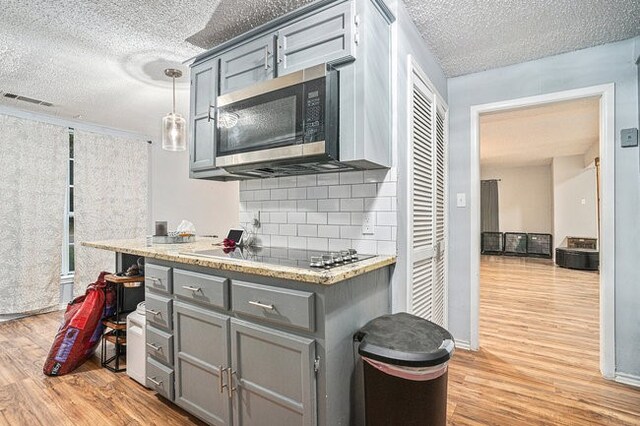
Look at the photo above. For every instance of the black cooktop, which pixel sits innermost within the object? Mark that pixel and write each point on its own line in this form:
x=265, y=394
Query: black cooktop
x=279, y=256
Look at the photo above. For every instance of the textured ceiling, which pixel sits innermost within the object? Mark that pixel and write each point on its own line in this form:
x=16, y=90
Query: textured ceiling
x=103, y=60
x=532, y=136
x=470, y=35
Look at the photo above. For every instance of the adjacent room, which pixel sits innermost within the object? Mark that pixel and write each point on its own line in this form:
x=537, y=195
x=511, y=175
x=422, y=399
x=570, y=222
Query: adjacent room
x=329, y=212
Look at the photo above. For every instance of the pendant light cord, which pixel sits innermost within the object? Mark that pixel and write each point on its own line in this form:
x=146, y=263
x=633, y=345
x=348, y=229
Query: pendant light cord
x=174, y=95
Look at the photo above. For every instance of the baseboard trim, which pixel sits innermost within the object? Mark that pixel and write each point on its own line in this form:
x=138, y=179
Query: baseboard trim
x=627, y=379
x=463, y=344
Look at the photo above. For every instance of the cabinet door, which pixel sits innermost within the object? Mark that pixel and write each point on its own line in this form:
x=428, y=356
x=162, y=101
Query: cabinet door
x=203, y=96
x=323, y=37
x=273, y=375
x=201, y=349
x=247, y=64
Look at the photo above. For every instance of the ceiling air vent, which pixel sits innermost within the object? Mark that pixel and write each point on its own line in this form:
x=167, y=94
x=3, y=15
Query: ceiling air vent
x=27, y=99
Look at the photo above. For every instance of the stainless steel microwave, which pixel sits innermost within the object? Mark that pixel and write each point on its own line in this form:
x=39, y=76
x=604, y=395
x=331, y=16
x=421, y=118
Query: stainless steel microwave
x=287, y=123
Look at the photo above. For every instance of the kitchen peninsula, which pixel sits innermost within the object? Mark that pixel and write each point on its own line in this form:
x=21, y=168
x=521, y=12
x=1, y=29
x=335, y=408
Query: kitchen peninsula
x=240, y=341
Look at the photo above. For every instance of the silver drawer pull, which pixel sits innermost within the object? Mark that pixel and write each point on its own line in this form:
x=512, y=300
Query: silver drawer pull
x=152, y=312
x=155, y=279
x=154, y=381
x=261, y=305
x=190, y=288
x=230, y=388
x=154, y=347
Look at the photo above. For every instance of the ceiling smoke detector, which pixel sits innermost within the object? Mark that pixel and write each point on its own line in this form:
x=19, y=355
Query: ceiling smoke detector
x=27, y=99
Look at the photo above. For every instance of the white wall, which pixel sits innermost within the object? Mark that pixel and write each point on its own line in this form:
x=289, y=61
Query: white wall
x=525, y=198
x=575, y=200
x=610, y=63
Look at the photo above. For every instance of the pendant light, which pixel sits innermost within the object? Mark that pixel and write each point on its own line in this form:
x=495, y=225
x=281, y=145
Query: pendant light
x=174, y=126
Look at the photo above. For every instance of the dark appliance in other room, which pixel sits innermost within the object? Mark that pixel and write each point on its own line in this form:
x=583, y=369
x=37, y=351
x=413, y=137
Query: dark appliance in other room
x=492, y=243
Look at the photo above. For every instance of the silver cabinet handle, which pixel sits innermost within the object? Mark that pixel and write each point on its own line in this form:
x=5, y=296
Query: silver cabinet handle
x=155, y=279
x=230, y=388
x=221, y=372
x=209, y=117
x=154, y=347
x=261, y=305
x=266, y=58
x=154, y=381
x=152, y=312
x=279, y=51
x=190, y=288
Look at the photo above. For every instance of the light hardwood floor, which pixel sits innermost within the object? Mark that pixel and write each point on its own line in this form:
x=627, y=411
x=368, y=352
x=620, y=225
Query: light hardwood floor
x=538, y=364
x=538, y=360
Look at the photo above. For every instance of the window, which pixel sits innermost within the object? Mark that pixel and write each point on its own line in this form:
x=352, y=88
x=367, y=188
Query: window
x=68, y=257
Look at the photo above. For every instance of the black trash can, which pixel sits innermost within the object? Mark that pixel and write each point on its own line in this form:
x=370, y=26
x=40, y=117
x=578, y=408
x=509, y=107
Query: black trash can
x=405, y=370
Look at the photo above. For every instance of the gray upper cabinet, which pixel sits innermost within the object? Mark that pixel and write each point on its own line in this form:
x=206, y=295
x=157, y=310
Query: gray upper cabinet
x=203, y=98
x=201, y=355
x=247, y=64
x=273, y=375
x=322, y=37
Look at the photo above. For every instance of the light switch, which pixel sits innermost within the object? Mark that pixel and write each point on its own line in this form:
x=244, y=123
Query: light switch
x=629, y=138
x=461, y=199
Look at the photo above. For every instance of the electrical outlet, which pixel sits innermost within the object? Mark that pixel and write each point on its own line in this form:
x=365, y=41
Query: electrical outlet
x=368, y=222
x=461, y=199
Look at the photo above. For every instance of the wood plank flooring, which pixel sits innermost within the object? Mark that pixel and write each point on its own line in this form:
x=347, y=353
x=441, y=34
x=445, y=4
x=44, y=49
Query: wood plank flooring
x=538, y=363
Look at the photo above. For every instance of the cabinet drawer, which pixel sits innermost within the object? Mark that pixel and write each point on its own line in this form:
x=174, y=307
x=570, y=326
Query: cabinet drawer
x=160, y=378
x=157, y=277
x=293, y=308
x=159, y=312
x=159, y=345
x=202, y=288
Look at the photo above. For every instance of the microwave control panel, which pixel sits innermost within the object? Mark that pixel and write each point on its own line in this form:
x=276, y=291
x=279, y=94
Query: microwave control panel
x=314, y=104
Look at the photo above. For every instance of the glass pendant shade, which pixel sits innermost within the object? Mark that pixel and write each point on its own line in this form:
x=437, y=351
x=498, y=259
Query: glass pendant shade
x=174, y=132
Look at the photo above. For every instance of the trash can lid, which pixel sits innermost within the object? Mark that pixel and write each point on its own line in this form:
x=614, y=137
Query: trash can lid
x=405, y=340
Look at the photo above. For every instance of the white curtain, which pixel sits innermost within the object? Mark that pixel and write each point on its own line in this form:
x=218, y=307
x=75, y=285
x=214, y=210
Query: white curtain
x=111, y=188
x=34, y=159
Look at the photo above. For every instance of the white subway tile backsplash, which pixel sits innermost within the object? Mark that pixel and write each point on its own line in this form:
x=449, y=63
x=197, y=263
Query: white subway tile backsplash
x=296, y=217
x=347, y=178
x=352, y=205
x=331, y=205
x=307, y=205
x=278, y=217
x=278, y=241
x=338, y=218
x=324, y=211
x=288, y=229
x=307, y=230
x=329, y=231
x=340, y=191
x=387, y=218
x=317, y=192
x=287, y=206
x=317, y=218
x=297, y=243
x=278, y=194
x=297, y=193
x=321, y=244
x=306, y=180
x=387, y=189
x=270, y=183
x=254, y=184
x=287, y=182
x=328, y=179
x=364, y=190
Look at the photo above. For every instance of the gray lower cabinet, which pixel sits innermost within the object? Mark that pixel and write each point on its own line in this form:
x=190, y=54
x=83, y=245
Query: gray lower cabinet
x=325, y=36
x=204, y=78
x=273, y=376
x=247, y=64
x=201, y=356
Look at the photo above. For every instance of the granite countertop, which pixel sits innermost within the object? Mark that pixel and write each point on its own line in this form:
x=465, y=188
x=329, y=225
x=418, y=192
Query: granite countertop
x=178, y=253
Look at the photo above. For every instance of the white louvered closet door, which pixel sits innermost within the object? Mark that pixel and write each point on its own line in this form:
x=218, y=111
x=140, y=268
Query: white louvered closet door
x=428, y=217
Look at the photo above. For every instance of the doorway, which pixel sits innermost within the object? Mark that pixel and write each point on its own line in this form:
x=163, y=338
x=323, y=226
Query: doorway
x=604, y=98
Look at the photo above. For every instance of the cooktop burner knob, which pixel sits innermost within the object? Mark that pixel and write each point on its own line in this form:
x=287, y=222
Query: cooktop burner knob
x=327, y=260
x=346, y=256
x=337, y=258
x=354, y=254
x=316, y=262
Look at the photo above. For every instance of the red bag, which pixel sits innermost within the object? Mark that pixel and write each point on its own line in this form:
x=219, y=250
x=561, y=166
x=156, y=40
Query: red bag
x=81, y=329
